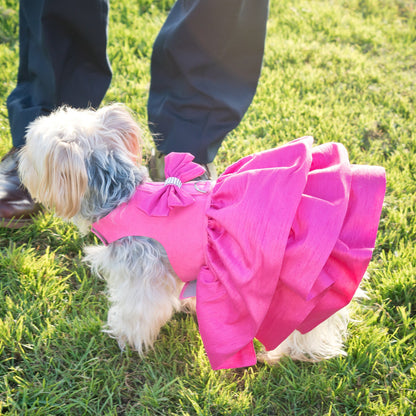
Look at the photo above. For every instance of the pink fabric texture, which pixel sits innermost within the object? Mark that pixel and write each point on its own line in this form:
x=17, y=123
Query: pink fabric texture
x=280, y=243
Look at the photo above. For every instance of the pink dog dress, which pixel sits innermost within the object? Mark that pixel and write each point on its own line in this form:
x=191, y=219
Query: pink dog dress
x=280, y=242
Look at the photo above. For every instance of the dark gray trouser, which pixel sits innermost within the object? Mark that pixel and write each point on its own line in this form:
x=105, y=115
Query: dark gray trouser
x=63, y=59
x=205, y=67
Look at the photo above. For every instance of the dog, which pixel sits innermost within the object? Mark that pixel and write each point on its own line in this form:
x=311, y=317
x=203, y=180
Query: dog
x=83, y=164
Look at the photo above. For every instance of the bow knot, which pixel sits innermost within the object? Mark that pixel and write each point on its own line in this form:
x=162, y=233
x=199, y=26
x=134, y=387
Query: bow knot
x=179, y=168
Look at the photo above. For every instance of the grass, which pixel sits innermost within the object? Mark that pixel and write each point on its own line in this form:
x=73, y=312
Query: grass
x=340, y=70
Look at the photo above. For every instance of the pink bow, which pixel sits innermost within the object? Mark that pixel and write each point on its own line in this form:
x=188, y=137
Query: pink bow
x=179, y=169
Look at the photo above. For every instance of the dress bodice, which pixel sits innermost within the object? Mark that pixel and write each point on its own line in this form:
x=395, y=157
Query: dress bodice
x=172, y=214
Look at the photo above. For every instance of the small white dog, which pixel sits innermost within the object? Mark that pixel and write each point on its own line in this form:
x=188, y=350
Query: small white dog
x=85, y=163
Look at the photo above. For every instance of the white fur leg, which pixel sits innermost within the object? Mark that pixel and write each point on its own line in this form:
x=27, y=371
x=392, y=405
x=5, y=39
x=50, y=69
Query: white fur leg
x=142, y=289
x=188, y=305
x=323, y=342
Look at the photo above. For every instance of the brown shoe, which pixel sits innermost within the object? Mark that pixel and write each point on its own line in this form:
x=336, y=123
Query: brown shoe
x=16, y=205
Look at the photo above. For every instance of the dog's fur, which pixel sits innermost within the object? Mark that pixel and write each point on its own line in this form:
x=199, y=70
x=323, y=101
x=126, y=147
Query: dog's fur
x=83, y=164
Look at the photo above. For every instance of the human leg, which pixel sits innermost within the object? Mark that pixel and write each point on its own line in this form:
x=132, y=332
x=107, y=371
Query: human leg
x=205, y=67
x=62, y=61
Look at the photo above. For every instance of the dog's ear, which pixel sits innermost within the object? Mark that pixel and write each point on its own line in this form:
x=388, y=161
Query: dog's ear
x=122, y=129
x=65, y=179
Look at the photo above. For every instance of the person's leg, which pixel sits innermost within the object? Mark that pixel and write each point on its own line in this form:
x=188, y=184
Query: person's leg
x=205, y=67
x=63, y=60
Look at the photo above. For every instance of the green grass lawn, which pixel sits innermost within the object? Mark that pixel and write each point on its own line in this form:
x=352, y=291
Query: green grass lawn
x=340, y=70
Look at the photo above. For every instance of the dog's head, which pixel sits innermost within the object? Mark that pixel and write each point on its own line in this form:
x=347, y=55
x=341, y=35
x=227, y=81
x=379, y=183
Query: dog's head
x=72, y=152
